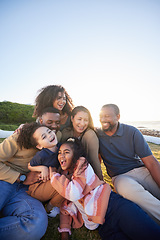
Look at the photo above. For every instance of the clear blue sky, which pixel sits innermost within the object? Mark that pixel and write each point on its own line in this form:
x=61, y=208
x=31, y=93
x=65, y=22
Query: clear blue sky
x=101, y=51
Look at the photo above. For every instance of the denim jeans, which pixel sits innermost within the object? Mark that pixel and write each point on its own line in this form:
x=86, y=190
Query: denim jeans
x=23, y=217
x=125, y=220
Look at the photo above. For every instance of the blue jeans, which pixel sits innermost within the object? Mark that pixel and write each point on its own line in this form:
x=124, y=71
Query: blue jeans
x=125, y=220
x=23, y=217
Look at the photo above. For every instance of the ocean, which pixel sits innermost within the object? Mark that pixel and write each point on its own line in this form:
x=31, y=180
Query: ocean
x=145, y=124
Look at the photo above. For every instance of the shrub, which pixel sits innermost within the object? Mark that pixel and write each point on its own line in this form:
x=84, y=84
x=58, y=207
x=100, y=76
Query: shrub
x=15, y=113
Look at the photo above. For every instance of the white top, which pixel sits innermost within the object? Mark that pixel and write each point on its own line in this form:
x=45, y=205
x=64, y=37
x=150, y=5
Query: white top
x=88, y=224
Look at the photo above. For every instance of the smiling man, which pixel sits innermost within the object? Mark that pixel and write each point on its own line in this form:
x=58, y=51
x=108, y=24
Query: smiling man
x=50, y=117
x=135, y=172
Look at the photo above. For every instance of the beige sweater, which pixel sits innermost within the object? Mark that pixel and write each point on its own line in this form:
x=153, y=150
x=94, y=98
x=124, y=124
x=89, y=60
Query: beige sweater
x=14, y=160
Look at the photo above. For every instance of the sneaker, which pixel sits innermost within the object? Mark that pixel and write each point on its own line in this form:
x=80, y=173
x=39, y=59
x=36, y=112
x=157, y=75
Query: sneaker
x=54, y=212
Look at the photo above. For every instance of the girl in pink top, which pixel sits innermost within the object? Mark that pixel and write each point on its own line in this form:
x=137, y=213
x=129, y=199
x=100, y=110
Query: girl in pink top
x=91, y=202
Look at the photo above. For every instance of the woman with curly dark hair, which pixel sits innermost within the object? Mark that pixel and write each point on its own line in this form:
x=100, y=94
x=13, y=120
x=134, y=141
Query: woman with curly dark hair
x=54, y=96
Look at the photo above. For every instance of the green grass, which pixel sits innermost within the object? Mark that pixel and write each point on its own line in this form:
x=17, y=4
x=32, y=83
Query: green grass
x=83, y=233
x=77, y=234
x=155, y=150
x=1, y=139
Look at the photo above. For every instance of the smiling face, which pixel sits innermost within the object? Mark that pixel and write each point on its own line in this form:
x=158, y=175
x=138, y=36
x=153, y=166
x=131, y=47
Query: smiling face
x=109, y=120
x=45, y=138
x=51, y=120
x=65, y=156
x=80, y=122
x=60, y=101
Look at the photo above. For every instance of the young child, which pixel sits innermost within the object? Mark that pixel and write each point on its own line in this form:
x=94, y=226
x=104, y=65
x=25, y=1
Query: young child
x=92, y=202
x=41, y=137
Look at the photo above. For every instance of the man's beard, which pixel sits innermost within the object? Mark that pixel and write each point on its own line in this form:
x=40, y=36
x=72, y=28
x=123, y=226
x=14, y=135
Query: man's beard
x=111, y=126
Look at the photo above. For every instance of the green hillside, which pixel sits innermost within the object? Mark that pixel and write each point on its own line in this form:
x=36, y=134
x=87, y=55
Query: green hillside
x=13, y=114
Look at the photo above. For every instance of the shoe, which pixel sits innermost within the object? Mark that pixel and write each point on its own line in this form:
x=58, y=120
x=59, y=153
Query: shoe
x=54, y=212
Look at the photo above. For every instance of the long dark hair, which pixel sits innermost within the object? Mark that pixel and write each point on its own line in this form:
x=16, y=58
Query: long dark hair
x=47, y=95
x=78, y=151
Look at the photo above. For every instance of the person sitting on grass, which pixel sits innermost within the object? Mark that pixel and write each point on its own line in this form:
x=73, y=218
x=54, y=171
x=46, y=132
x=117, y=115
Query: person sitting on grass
x=35, y=135
x=21, y=216
x=135, y=172
x=90, y=200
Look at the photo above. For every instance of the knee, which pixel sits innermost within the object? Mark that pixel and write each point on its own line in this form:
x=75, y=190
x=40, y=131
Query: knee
x=123, y=185
x=34, y=220
x=27, y=218
x=29, y=224
x=33, y=225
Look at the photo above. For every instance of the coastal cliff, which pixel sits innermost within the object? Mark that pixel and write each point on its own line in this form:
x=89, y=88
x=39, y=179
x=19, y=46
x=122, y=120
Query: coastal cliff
x=150, y=132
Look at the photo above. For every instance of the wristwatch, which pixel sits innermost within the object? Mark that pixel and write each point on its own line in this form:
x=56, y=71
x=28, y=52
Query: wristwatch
x=22, y=178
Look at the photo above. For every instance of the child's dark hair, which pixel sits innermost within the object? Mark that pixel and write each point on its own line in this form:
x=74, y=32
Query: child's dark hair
x=25, y=138
x=78, y=151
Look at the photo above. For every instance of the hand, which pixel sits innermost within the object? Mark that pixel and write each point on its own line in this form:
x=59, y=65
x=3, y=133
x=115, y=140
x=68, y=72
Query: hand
x=19, y=128
x=32, y=177
x=45, y=173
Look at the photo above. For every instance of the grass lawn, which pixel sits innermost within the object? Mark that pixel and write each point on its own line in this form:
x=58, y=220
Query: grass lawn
x=83, y=233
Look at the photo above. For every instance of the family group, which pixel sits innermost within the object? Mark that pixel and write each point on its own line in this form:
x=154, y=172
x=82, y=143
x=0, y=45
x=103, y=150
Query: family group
x=53, y=166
